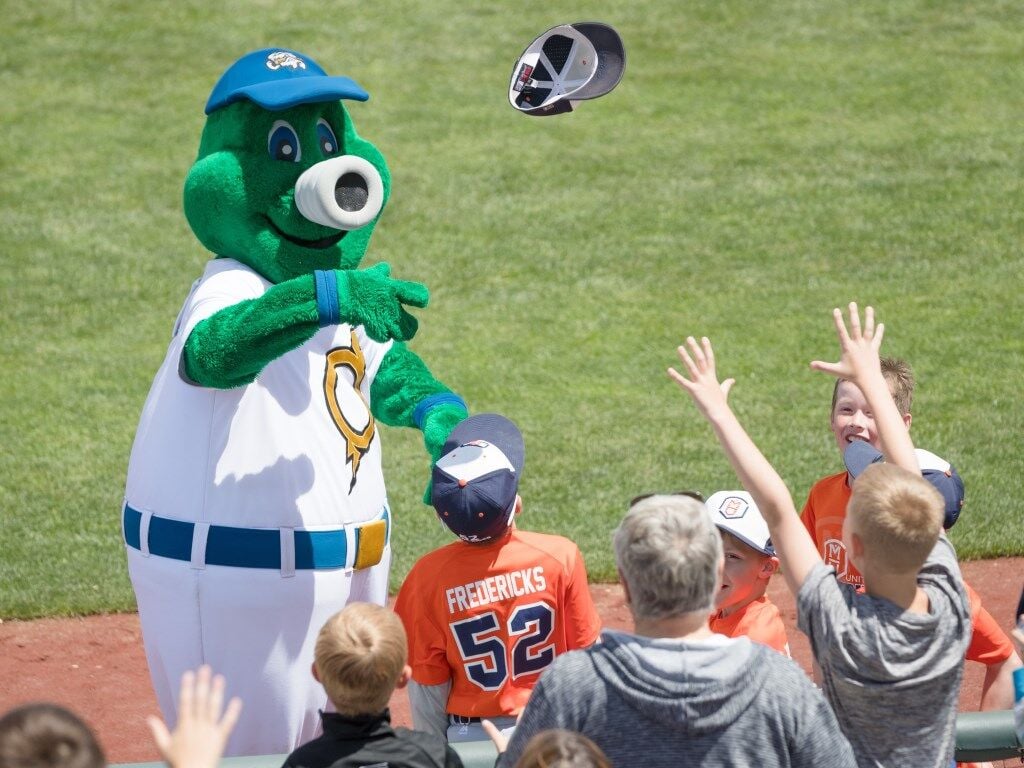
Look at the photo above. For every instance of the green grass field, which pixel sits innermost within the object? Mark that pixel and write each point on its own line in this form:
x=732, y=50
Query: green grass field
x=759, y=164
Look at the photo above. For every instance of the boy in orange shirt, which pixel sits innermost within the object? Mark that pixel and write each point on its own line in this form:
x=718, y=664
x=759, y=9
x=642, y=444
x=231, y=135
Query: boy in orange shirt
x=485, y=615
x=742, y=607
x=823, y=514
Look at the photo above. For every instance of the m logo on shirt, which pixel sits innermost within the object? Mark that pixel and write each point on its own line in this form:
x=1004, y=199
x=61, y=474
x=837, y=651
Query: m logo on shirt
x=834, y=554
x=351, y=410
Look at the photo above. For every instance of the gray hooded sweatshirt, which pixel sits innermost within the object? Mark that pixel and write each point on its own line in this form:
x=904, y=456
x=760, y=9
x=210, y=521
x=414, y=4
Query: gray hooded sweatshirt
x=666, y=702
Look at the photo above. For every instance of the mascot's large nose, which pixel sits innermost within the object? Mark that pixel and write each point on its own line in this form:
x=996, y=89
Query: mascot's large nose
x=344, y=192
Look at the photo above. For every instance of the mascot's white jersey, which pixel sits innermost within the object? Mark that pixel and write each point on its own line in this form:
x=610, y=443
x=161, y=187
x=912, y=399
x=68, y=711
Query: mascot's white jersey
x=297, y=449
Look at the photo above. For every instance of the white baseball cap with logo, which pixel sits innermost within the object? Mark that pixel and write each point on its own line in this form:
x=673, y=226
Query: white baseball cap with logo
x=736, y=512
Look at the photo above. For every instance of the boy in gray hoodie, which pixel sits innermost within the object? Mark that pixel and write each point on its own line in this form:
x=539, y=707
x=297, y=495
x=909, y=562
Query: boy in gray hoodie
x=674, y=693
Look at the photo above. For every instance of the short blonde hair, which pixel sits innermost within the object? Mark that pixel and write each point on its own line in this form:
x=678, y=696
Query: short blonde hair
x=360, y=654
x=557, y=748
x=897, y=514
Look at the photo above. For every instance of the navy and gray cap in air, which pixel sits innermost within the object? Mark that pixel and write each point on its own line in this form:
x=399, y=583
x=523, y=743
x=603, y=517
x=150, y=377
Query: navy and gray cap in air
x=567, y=64
x=476, y=480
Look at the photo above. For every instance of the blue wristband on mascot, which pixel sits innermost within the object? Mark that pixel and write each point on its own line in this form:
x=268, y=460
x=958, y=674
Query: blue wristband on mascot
x=327, y=298
x=419, y=413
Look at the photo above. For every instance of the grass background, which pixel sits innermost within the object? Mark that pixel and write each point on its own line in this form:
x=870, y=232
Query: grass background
x=759, y=164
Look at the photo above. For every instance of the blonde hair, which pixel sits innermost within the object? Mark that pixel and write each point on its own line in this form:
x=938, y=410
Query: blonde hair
x=900, y=378
x=556, y=748
x=897, y=514
x=360, y=654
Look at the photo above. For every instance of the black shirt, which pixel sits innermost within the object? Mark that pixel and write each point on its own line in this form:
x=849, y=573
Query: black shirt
x=369, y=740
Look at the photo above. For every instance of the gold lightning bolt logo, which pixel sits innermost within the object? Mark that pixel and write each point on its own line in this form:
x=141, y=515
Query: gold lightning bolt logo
x=357, y=442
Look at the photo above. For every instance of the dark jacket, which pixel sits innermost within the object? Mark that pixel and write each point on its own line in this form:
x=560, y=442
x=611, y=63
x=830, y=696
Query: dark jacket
x=369, y=740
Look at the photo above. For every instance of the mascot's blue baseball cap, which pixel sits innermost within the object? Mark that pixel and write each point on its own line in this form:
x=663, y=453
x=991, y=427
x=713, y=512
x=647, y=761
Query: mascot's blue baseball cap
x=476, y=481
x=859, y=455
x=277, y=78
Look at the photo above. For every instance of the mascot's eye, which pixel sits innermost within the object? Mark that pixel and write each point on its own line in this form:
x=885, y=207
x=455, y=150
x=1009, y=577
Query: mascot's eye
x=324, y=135
x=283, y=143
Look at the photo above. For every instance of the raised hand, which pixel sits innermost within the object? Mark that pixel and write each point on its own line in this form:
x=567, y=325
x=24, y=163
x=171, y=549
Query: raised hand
x=199, y=737
x=372, y=299
x=858, y=348
x=709, y=396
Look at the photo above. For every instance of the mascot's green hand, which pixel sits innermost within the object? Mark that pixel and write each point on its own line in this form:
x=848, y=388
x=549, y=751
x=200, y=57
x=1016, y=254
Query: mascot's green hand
x=437, y=425
x=372, y=299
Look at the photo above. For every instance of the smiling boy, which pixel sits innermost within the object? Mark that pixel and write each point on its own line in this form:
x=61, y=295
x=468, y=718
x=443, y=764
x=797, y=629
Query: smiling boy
x=851, y=420
x=742, y=608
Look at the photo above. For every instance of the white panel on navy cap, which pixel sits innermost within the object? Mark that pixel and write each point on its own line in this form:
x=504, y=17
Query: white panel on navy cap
x=928, y=461
x=473, y=460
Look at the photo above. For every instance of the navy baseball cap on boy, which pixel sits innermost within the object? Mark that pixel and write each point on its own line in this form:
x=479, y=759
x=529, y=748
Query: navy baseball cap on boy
x=476, y=481
x=939, y=472
x=277, y=78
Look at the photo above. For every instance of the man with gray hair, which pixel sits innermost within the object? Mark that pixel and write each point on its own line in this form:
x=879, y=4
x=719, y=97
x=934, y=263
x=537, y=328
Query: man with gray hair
x=673, y=692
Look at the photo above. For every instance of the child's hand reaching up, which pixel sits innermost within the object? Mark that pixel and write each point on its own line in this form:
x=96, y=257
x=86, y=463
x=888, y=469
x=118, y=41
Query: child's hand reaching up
x=793, y=544
x=859, y=363
x=204, y=724
x=858, y=348
x=710, y=397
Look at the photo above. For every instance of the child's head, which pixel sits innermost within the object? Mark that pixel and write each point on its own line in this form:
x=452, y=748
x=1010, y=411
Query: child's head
x=360, y=658
x=851, y=419
x=476, y=481
x=749, y=555
x=892, y=522
x=47, y=736
x=557, y=748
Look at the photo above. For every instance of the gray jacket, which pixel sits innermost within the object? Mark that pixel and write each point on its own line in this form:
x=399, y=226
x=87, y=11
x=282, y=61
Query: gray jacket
x=665, y=702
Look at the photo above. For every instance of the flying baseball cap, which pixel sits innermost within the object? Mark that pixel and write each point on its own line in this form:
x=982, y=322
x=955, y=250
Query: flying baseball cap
x=476, y=480
x=277, y=78
x=937, y=471
x=736, y=512
x=567, y=64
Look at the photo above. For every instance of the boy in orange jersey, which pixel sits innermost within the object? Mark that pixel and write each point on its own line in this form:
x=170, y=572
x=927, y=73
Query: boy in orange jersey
x=823, y=514
x=485, y=615
x=742, y=607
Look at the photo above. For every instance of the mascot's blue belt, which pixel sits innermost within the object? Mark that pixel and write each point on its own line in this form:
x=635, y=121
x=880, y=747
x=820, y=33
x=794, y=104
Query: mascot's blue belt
x=358, y=546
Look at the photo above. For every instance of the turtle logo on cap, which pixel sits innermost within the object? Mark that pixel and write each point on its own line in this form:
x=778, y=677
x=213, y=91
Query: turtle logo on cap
x=279, y=59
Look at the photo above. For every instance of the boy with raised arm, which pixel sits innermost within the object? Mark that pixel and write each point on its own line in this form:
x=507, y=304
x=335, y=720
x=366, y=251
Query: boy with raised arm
x=891, y=657
x=853, y=427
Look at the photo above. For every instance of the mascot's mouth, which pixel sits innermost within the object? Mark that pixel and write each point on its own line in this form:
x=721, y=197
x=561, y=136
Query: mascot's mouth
x=323, y=242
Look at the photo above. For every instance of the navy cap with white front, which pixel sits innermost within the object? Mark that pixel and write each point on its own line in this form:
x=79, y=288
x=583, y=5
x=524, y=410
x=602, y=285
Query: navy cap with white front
x=277, y=78
x=476, y=481
x=859, y=455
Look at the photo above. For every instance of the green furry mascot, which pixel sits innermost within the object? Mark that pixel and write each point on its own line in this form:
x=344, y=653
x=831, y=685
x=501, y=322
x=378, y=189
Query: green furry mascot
x=255, y=505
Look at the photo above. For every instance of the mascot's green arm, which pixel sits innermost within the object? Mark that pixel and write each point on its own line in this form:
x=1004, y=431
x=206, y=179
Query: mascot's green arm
x=230, y=348
x=405, y=393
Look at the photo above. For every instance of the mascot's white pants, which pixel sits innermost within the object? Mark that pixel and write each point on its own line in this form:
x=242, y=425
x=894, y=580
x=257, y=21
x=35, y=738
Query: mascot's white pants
x=256, y=627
